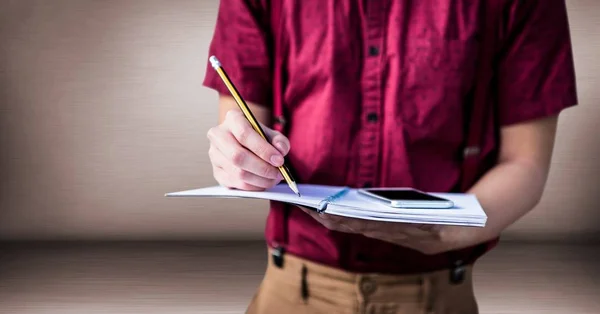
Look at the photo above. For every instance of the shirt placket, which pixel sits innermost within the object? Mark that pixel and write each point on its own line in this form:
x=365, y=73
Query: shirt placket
x=372, y=102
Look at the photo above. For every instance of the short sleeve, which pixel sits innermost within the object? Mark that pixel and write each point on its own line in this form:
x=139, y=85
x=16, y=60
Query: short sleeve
x=241, y=43
x=536, y=76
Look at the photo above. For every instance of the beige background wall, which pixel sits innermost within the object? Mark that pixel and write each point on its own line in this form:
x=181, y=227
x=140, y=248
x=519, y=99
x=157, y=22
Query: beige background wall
x=102, y=112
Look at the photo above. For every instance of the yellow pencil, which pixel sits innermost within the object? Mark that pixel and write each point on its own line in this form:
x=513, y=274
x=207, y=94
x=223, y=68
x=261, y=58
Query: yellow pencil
x=246, y=110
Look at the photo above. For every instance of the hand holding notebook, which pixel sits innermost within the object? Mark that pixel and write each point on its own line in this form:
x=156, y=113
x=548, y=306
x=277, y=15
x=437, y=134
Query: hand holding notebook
x=347, y=202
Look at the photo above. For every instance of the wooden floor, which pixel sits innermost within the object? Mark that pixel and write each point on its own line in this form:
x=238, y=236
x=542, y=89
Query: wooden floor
x=177, y=278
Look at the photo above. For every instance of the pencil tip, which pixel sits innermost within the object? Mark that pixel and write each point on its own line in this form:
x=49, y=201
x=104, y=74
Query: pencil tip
x=294, y=188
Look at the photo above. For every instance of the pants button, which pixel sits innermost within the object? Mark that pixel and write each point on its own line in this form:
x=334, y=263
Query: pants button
x=367, y=286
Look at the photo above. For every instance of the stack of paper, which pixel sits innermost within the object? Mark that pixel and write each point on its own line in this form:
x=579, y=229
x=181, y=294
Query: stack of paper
x=466, y=210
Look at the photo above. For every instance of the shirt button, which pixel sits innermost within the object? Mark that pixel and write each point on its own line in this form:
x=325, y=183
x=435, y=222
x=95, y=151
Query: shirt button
x=372, y=117
x=367, y=185
x=367, y=286
x=373, y=51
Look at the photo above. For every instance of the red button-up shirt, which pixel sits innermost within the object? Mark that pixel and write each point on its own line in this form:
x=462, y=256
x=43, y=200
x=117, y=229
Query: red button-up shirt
x=376, y=94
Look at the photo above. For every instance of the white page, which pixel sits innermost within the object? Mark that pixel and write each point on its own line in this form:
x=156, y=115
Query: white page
x=467, y=210
x=312, y=195
x=412, y=218
x=418, y=220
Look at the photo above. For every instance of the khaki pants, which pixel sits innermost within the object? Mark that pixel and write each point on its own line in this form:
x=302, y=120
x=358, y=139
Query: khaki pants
x=301, y=286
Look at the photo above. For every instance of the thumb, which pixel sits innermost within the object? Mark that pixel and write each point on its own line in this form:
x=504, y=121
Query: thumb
x=278, y=140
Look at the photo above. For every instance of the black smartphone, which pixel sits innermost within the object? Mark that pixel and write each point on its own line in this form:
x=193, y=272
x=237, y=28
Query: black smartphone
x=406, y=198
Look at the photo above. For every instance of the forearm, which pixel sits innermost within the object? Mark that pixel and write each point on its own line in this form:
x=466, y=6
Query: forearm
x=507, y=192
x=515, y=185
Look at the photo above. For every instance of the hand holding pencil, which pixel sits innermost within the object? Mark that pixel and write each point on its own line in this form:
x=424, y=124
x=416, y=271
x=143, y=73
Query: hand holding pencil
x=245, y=154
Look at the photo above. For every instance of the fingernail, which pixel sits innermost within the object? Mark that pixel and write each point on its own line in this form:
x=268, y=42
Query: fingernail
x=276, y=160
x=281, y=146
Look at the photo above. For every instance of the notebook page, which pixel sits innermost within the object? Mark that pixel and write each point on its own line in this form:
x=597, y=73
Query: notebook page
x=312, y=195
x=407, y=219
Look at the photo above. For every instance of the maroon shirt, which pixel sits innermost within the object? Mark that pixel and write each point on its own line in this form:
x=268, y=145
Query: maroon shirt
x=377, y=93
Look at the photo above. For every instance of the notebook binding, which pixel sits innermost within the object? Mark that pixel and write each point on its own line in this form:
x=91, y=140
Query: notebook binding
x=330, y=199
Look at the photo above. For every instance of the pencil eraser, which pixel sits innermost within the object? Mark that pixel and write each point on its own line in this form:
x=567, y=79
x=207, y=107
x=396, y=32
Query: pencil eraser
x=214, y=62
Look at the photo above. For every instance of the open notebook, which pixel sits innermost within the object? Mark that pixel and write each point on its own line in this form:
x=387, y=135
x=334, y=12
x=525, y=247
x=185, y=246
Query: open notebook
x=348, y=202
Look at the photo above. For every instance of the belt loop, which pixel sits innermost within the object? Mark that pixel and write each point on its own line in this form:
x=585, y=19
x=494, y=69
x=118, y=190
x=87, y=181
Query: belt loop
x=457, y=273
x=277, y=255
x=304, y=284
x=280, y=213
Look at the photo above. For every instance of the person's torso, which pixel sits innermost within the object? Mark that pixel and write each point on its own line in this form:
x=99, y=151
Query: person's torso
x=376, y=93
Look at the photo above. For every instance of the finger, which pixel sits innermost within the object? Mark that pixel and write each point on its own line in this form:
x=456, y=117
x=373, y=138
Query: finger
x=419, y=231
x=327, y=221
x=354, y=224
x=249, y=138
x=240, y=157
x=425, y=227
x=216, y=156
x=409, y=233
x=240, y=175
x=396, y=237
x=396, y=232
x=280, y=141
x=226, y=180
x=318, y=217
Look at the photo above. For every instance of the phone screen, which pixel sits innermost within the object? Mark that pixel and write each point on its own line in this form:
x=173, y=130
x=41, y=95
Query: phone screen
x=405, y=195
